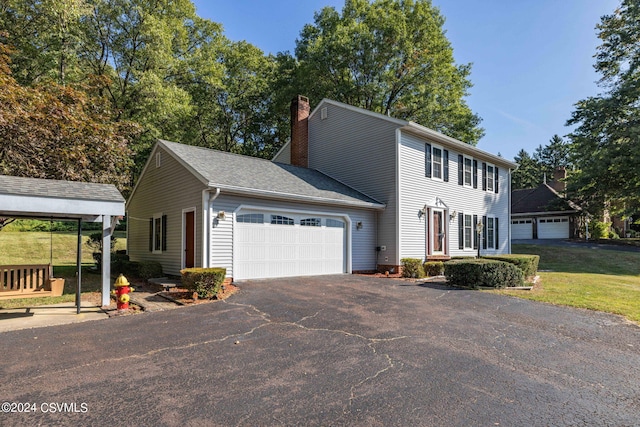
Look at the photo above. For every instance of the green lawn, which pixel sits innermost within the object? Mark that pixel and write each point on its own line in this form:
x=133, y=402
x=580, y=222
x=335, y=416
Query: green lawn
x=600, y=280
x=34, y=247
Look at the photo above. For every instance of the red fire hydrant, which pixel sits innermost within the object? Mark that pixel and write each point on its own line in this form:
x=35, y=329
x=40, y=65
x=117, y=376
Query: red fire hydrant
x=122, y=292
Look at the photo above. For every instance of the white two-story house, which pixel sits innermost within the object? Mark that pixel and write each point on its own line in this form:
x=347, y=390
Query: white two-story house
x=352, y=191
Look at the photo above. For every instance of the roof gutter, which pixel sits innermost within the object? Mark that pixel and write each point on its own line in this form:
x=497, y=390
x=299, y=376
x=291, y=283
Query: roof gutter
x=295, y=197
x=207, y=198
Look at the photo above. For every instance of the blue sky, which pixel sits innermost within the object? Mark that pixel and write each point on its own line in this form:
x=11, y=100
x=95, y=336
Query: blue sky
x=532, y=60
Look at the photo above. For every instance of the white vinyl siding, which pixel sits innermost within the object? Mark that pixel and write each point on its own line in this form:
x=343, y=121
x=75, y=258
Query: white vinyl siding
x=359, y=150
x=416, y=191
x=169, y=188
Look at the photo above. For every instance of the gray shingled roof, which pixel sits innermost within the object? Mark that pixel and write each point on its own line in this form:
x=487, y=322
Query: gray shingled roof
x=37, y=187
x=541, y=199
x=227, y=170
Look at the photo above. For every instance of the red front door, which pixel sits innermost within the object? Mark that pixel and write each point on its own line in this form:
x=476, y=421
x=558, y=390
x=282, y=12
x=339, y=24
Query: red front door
x=189, y=240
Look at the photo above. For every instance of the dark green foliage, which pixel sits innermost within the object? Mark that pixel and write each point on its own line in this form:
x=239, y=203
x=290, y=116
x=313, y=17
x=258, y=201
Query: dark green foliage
x=433, y=268
x=473, y=273
x=412, y=268
x=149, y=269
x=527, y=263
x=205, y=281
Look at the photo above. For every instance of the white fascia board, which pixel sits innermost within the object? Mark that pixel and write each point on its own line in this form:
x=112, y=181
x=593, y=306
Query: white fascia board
x=461, y=146
x=48, y=206
x=265, y=194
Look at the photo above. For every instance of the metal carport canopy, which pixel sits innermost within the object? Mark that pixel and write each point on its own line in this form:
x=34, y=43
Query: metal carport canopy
x=66, y=200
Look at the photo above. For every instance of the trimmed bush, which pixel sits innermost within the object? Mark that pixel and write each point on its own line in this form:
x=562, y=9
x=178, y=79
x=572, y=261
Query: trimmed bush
x=433, y=268
x=527, y=263
x=205, y=281
x=473, y=273
x=412, y=268
x=599, y=230
x=149, y=269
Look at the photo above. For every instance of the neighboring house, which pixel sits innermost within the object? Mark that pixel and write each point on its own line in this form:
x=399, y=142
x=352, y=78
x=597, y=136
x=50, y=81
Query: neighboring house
x=543, y=212
x=353, y=191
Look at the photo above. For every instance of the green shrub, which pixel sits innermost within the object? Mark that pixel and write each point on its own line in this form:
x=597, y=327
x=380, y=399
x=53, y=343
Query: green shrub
x=205, y=281
x=474, y=273
x=599, y=230
x=527, y=263
x=412, y=267
x=433, y=268
x=149, y=269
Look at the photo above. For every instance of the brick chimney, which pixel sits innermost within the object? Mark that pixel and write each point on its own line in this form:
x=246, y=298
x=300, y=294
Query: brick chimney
x=558, y=182
x=300, y=110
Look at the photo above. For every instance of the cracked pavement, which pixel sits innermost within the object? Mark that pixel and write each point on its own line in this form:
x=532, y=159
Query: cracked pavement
x=334, y=350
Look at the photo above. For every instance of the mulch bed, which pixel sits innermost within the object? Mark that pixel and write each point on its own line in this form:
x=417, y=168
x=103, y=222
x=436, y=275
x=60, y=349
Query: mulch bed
x=185, y=296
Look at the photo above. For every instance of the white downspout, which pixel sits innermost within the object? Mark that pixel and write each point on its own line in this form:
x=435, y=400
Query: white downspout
x=207, y=199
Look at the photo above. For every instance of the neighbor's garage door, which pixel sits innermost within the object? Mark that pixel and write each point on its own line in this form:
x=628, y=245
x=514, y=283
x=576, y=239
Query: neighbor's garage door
x=553, y=228
x=522, y=228
x=281, y=244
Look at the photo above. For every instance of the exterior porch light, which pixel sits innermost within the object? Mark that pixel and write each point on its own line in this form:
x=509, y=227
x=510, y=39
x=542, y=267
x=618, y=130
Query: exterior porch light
x=452, y=215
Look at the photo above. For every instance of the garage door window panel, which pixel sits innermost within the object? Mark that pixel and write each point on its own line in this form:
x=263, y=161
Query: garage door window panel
x=281, y=220
x=310, y=222
x=251, y=218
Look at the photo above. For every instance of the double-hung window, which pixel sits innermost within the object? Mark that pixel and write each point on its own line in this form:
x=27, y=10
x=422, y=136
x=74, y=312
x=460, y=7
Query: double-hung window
x=468, y=172
x=436, y=162
x=490, y=233
x=468, y=232
x=490, y=177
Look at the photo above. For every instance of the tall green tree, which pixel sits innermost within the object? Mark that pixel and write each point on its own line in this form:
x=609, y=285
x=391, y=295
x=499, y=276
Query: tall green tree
x=606, y=142
x=47, y=38
x=528, y=174
x=388, y=56
x=552, y=156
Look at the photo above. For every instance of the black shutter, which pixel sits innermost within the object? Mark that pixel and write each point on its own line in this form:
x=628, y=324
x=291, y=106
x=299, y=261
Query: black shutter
x=475, y=233
x=484, y=176
x=484, y=232
x=164, y=232
x=445, y=163
x=495, y=184
x=495, y=226
x=460, y=231
x=427, y=160
x=150, y=234
x=460, y=170
x=475, y=173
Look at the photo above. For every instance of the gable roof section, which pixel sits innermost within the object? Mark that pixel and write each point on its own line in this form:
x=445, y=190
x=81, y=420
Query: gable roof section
x=540, y=200
x=61, y=199
x=424, y=132
x=244, y=175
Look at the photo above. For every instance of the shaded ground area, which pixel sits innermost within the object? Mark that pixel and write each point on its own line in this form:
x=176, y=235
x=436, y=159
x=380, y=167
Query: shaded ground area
x=336, y=350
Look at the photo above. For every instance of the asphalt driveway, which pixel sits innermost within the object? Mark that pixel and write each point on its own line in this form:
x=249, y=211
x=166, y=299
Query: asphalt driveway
x=337, y=350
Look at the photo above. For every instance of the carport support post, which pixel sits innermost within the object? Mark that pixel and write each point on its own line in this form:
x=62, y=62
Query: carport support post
x=79, y=262
x=106, y=259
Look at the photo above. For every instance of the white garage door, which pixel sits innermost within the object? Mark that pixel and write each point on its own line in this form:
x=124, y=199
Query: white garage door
x=553, y=228
x=522, y=228
x=278, y=244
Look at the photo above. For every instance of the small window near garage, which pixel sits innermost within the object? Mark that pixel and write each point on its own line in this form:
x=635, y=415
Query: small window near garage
x=323, y=113
x=158, y=159
x=281, y=220
x=310, y=222
x=158, y=233
x=334, y=223
x=252, y=218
